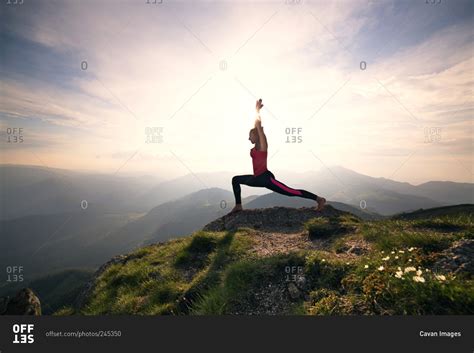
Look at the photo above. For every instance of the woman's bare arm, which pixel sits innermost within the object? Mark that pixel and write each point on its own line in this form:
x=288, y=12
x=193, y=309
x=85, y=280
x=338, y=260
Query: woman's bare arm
x=258, y=125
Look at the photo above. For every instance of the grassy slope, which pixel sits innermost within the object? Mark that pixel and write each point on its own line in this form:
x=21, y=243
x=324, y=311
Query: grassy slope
x=216, y=273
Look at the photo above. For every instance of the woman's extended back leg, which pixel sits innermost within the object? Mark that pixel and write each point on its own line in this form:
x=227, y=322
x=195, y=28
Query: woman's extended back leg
x=281, y=188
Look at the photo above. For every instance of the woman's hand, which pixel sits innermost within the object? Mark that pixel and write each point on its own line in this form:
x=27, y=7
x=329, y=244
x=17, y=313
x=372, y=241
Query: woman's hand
x=259, y=105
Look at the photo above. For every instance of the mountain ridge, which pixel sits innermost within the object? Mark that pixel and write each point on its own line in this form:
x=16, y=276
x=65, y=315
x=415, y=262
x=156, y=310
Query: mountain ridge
x=254, y=262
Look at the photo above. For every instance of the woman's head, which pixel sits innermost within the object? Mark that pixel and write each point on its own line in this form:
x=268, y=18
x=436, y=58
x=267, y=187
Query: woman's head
x=253, y=135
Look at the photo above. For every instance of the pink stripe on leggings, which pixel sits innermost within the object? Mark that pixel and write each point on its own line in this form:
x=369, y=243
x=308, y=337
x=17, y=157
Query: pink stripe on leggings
x=286, y=188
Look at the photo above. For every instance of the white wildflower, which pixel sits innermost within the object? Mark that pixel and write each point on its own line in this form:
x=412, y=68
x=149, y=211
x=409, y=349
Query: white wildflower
x=381, y=268
x=440, y=277
x=386, y=258
x=418, y=279
x=410, y=269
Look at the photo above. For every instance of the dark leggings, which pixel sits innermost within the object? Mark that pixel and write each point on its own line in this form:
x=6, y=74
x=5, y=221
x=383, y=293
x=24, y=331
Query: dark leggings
x=267, y=180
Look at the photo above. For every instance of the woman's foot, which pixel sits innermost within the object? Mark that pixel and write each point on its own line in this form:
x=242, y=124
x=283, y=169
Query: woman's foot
x=236, y=208
x=321, y=202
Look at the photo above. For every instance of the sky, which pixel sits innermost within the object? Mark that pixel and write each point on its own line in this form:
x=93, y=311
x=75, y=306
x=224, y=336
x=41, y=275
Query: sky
x=380, y=87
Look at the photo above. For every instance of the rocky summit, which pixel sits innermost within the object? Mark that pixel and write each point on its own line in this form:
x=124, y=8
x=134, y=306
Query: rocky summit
x=282, y=219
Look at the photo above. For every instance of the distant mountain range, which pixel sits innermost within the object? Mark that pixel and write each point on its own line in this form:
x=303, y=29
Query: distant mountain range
x=42, y=216
x=32, y=190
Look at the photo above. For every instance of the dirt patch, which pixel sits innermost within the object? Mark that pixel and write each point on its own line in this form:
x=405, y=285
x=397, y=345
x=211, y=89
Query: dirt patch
x=273, y=243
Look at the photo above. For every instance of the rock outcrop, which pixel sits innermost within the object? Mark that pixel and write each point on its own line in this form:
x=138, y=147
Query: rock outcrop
x=281, y=219
x=458, y=258
x=25, y=302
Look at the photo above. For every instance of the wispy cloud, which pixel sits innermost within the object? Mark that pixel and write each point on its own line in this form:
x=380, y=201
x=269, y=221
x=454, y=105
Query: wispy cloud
x=92, y=76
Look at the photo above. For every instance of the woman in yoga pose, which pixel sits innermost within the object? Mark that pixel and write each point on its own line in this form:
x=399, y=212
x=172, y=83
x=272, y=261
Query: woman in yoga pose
x=262, y=177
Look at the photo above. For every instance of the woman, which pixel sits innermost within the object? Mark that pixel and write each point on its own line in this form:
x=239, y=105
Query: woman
x=262, y=177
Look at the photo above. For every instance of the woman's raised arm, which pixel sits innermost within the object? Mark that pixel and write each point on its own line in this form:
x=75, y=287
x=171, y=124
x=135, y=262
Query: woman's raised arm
x=258, y=125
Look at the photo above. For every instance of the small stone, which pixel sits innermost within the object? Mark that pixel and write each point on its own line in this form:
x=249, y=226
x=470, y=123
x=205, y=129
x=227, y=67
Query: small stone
x=294, y=291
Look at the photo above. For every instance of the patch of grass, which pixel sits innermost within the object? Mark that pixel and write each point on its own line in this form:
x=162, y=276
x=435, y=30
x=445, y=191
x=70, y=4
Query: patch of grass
x=396, y=283
x=324, y=272
x=65, y=311
x=397, y=234
x=322, y=227
x=324, y=302
x=242, y=279
x=196, y=253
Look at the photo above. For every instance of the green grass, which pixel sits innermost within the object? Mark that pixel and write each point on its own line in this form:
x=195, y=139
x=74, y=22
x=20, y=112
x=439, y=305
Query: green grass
x=322, y=227
x=215, y=273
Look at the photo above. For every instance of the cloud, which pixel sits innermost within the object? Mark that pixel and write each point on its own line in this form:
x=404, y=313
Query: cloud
x=162, y=66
